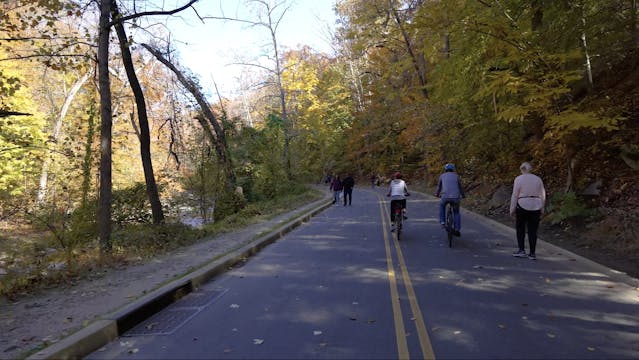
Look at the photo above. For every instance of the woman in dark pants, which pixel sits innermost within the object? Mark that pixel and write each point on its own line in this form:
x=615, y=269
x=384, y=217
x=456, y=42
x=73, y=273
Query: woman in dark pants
x=527, y=204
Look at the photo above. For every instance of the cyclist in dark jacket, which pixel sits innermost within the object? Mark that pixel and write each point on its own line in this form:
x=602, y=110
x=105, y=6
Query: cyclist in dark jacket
x=449, y=188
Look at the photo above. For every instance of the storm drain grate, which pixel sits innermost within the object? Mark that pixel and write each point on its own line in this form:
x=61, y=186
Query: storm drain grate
x=163, y=323
x=167, y=321
x=200, y=299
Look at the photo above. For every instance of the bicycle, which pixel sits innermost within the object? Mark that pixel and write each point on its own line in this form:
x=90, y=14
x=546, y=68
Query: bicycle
x=398, y=220
x=398, y=217
x=448, y=223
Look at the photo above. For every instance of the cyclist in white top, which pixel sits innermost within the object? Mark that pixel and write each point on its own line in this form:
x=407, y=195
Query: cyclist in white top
x=397, y=192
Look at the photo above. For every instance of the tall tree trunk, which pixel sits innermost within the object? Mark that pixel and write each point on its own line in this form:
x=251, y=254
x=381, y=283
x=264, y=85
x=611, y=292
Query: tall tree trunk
x=537, y=15
x=144, y=136
x=420, y=70
x=219, y=138
x=633, y=24
x=356, y=83
x=584, y=44
x=570, y=178
x=55, y=134
x=88, y=154
x=106, y=125
x=285, y=119
x=447, y=45
x=282, y=94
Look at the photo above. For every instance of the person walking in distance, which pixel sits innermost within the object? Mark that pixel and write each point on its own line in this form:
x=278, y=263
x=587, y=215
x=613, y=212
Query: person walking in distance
x=337, y=187
x=527, y=205
x=348, y=183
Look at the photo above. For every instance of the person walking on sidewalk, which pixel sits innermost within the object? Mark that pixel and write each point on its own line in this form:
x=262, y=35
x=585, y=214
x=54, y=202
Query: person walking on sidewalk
x=348, y=184
x=527, y=204
x=337, y=187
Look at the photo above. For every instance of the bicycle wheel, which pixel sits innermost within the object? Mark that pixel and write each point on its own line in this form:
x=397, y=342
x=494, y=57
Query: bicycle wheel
x=449, y=223
x=398, y=224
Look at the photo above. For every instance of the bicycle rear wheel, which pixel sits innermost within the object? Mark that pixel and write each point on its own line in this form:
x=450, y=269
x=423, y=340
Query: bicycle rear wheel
x=449, y=223
x=398, y=225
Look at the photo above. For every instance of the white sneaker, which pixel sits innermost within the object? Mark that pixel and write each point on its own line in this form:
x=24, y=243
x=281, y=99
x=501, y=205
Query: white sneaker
x=520, y=254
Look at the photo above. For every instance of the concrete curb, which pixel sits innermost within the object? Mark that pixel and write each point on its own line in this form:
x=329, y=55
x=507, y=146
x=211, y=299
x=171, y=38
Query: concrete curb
x=110, y=326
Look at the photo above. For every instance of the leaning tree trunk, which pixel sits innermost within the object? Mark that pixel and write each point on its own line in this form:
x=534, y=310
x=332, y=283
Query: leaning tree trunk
x=419, y=67
x=55, y=134
x=144, y=134
x=218, y=139
x=106, y=117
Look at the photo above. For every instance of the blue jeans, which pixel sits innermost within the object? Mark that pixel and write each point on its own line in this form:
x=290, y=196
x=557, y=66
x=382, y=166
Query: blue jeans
x=456, y=214
x=336, y=195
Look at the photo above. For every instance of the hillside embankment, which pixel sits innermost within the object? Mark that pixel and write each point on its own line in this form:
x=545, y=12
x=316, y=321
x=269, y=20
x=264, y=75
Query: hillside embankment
x=600, y=223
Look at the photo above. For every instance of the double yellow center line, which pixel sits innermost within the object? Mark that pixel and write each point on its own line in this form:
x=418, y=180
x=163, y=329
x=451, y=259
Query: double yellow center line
x=400, y=330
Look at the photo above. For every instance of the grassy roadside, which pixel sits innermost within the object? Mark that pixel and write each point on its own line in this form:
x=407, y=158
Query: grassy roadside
x=31, y=261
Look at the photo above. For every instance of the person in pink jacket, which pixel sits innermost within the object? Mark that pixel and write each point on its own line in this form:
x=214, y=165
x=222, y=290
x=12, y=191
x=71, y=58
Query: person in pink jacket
x=527, y=204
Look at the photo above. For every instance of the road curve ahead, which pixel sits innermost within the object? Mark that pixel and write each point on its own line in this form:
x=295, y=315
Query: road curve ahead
x=341, y=286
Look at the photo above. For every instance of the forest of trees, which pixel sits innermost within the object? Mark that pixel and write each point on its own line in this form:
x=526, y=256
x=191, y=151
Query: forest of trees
x=101, y=126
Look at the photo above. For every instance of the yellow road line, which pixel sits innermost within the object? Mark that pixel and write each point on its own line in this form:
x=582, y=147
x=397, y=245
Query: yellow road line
x=400, y=331
x=424, y=340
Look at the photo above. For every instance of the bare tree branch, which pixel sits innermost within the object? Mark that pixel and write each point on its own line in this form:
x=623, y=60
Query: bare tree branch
x=88, y=56
x=255, y=65
x=5, y=113
x=153, y=13
x=217, y=135
x=26, y=147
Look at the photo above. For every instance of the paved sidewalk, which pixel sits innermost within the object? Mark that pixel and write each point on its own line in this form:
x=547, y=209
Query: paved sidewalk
x=102, y=308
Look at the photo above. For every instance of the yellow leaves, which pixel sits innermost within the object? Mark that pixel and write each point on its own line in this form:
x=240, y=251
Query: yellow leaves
x=572, y=120
x=513, y=113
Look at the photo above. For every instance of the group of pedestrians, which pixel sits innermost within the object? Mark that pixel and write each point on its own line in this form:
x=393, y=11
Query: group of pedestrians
x=339, y=187
x=526, y=203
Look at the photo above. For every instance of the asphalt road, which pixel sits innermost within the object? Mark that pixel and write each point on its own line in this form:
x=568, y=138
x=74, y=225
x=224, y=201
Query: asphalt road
x=341, y=286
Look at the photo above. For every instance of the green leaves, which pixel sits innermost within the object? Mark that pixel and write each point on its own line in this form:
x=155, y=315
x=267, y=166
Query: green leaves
x=21, y=137
x=572, y=120
x=503, y=79
x=567, y=206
